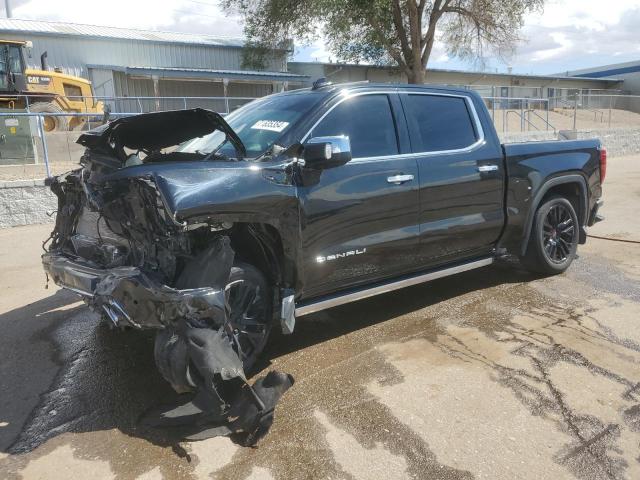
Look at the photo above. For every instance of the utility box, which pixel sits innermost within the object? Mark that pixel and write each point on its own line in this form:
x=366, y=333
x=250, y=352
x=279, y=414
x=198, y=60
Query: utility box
x=16, y=138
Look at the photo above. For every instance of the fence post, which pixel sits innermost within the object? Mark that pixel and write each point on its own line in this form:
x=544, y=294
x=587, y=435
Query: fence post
x=493, y=103
x=547, y=103
x=504, y=120
x=45, y=152
x=575, y=112
x=88, y=118
x=610, y=101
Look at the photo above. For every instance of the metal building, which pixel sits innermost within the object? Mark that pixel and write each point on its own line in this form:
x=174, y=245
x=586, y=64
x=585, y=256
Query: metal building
x=124, y=62
x=488, y=84
x=629, y=72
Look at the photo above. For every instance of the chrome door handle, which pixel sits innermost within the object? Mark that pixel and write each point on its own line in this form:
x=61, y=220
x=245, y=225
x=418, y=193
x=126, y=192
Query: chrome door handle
x=398, y=179
x=487, y=168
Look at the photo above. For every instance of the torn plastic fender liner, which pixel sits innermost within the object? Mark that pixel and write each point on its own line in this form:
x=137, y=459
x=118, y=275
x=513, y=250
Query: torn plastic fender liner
x=212, y=355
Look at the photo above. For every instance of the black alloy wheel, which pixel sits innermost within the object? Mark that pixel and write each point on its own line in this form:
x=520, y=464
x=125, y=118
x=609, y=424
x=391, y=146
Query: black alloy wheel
x=558, y=233
x=553, y=242
x=248, y=299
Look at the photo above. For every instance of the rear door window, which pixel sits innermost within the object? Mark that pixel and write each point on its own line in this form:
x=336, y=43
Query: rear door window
x=368, y=122
x=439, y=123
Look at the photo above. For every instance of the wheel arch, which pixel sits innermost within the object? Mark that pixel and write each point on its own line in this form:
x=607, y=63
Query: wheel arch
x=262, y=245
x=574, y=188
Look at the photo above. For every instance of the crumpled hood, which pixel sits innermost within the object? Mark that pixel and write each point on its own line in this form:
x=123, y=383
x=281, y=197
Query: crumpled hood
x=195, y=188
x=154, y=131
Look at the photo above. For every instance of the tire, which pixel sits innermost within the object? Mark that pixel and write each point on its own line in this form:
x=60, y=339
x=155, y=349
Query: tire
x=255, y=320
x=51, y=124
x=553, y=242
x=251, y=325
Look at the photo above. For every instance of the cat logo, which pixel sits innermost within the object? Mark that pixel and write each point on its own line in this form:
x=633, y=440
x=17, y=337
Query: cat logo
x=38, y=80
x=336, y=256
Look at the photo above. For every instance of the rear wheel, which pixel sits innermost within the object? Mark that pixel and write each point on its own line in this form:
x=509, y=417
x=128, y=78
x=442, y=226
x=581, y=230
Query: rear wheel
x=553, y=242
x=51, y=123
x=248, y=297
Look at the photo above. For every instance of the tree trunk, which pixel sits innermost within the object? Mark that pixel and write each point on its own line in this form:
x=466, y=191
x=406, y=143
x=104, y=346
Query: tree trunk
x=416, y=75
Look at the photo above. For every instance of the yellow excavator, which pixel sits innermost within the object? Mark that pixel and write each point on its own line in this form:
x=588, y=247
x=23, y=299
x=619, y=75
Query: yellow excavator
x=47, y=91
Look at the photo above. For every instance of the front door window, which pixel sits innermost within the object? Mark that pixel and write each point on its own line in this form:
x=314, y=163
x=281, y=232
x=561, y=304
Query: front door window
x=367, y=121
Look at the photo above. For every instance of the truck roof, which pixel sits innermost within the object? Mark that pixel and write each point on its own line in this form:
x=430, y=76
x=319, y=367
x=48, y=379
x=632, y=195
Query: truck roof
x=365, y=85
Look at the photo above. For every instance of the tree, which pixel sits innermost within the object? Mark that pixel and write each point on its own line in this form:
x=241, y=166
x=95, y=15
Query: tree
x=387, y=31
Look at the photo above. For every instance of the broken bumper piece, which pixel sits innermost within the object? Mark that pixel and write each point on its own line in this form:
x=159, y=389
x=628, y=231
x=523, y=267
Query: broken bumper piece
x=129, y=295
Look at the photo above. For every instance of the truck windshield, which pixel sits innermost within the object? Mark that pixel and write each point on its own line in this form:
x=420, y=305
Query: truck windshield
x=259, y=125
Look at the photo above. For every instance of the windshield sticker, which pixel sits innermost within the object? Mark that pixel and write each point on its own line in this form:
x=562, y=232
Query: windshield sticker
x=273, y=125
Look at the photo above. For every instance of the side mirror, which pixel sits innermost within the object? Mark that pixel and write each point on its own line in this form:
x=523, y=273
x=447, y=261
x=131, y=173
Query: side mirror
x=326, y=152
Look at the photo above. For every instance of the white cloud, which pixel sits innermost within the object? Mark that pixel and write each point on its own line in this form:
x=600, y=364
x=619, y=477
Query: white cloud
x=318, y=52
x=573, y=34
x=570, y=34
x=178, y=15
x=589, y=14
x=560, y=39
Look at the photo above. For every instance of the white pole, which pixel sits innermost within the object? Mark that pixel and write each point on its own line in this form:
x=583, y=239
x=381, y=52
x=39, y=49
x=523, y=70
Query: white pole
x=45, y=150
x=7, y=8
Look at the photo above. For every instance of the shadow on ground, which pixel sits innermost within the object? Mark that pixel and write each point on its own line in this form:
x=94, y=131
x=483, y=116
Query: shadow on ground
x=98, y=378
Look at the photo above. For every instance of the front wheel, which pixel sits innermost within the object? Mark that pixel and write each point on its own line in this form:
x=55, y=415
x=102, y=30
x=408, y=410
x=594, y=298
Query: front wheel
x=553, y=242
x=248, y=296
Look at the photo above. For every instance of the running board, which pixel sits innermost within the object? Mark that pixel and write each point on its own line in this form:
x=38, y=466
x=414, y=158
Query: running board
x=341, y=299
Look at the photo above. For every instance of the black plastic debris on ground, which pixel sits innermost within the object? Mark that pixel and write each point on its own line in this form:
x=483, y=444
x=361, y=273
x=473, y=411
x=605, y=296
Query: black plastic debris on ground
x=224, y=403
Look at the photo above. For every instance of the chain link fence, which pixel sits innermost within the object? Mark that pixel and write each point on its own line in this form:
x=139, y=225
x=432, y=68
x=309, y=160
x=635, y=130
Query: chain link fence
x=29, y=152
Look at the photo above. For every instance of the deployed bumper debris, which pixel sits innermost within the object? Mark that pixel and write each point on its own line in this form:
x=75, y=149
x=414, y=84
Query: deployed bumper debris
x=129, y=295
x=132, y=296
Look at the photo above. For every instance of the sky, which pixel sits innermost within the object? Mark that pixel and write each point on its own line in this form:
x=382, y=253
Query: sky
x=568, y=35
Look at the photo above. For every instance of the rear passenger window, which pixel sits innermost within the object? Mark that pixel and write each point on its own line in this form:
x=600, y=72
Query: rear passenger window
x=439, y=123
x=367, y=121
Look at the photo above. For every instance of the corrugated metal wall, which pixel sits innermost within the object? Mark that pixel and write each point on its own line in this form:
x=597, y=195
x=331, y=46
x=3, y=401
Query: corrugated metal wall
x=73, y=54
x=126, y=86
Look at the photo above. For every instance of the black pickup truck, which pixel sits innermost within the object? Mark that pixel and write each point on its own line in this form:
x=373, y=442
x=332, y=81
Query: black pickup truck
x=301, y=201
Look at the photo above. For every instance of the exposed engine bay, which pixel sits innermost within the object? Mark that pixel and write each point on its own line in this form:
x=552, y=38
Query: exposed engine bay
x=122, y=245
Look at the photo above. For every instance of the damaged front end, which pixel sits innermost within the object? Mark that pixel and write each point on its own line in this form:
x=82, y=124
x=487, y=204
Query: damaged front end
x=116, y=242
x=118, y=248
x=121, y=244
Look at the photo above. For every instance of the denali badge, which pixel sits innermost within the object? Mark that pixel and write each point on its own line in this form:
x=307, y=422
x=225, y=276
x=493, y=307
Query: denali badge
x=328, y=258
